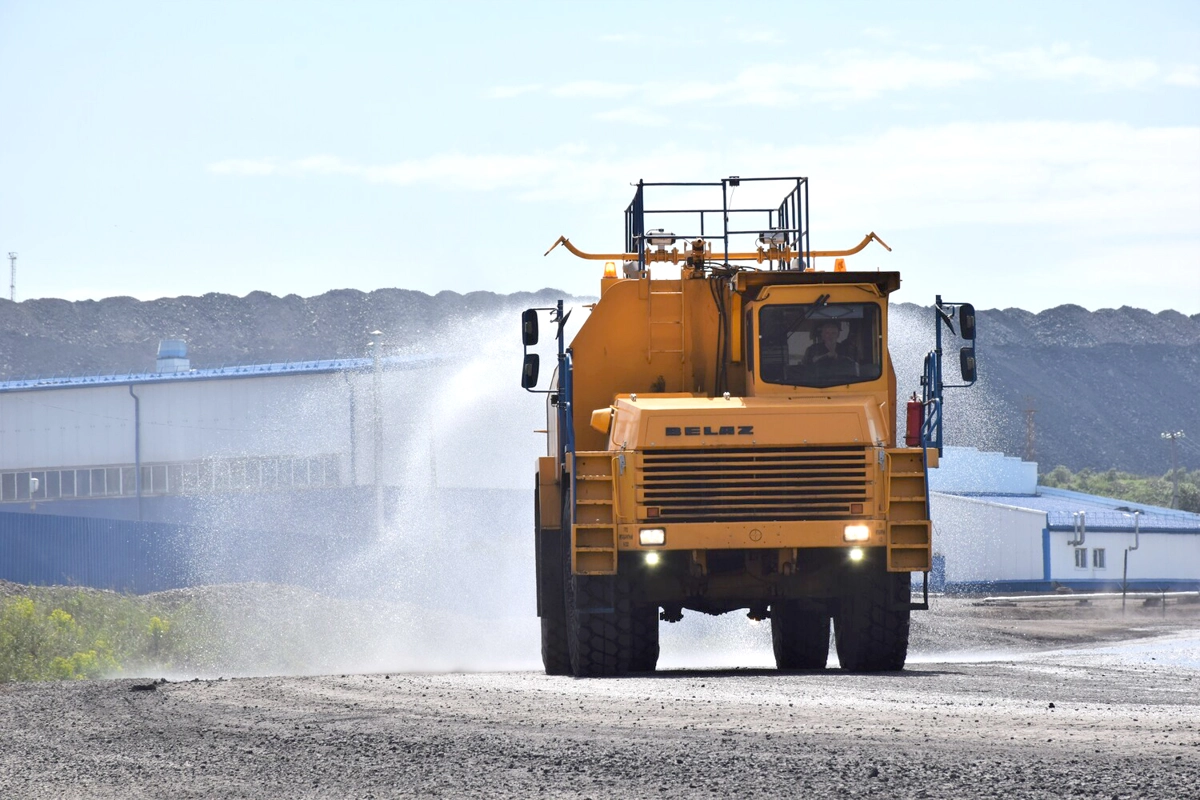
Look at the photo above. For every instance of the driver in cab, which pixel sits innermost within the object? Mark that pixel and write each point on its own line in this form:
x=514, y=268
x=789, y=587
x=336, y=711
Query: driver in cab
x=826, y=351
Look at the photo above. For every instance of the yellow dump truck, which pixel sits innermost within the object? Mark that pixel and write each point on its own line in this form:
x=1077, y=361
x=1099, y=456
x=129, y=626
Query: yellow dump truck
x=725, y=438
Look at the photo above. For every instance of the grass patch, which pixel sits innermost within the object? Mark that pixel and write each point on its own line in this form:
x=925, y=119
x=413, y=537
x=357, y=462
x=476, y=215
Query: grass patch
x=62, y=633
x=66, y=633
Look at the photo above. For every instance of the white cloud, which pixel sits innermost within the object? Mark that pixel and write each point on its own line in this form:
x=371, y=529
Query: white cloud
x=1062, y=63
x=509, y=92
x=1086, y=179
x=1186, y=75
x=760, y=37
x=633, y=116
x=622, y=38
x=242, y=166
x=600, y=89
x=857, y=76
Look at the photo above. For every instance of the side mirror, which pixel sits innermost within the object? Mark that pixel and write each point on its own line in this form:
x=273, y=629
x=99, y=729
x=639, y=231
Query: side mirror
x=966, y=321
x=529, y=330
x=966, y=363
x=529, y=370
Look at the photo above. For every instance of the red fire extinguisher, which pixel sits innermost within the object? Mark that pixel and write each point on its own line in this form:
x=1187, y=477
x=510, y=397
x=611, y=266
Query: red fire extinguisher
x=916, y=417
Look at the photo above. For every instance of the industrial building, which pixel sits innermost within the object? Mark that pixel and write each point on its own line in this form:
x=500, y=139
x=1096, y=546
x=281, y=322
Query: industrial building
x=281, y=472
x=995, y=529
x=277, y=472
x=194, y=432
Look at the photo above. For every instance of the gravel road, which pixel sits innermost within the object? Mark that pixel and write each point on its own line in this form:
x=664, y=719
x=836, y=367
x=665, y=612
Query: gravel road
x=1102, y=714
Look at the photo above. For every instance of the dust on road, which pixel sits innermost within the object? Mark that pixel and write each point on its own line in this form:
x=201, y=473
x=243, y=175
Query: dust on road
x=1070, y=714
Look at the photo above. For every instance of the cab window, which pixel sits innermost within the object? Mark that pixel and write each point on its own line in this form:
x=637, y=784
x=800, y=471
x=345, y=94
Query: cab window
x=827, y=345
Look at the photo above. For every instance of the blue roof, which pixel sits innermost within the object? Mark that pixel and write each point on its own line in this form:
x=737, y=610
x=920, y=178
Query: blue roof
x=1103, y=513
x=244, y=371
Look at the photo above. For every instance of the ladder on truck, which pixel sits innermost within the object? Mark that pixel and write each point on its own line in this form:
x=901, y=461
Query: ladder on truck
x=909, y=544
x=594, y=522
x=665, y=318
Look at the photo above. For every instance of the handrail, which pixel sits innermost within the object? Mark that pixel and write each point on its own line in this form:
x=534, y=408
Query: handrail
x=770, y=254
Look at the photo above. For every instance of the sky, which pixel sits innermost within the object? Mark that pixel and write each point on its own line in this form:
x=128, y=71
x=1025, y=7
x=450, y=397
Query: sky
x=1012, y=154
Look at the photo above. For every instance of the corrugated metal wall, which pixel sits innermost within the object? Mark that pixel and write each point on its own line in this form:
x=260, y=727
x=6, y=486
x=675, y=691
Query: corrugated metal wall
x=100, y=553
x=433, y=545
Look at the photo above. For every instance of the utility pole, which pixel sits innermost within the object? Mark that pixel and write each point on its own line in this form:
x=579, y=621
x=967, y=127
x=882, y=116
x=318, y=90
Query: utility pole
x=12, y=277
x=1030, y=410
x=377, y=426
x=1173, y=437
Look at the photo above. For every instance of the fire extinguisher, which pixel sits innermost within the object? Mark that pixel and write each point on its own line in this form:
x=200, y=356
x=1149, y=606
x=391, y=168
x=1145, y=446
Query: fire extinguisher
x=916, y=417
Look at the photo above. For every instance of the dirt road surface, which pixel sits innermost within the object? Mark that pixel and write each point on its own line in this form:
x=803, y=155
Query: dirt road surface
x=1019, y=702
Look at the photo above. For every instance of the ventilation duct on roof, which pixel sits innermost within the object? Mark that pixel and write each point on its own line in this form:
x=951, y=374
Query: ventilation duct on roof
x=172, y=356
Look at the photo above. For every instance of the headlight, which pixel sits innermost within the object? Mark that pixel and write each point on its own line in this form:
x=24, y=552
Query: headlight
x=856, y=554
x=652, y=559
x=652, y=537
x=856, y=533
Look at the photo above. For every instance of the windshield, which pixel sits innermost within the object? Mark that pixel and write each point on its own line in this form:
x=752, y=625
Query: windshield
x=820, y=345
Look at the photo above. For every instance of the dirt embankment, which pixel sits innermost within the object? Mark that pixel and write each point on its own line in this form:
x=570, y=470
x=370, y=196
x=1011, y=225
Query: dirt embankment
x=1104, y=383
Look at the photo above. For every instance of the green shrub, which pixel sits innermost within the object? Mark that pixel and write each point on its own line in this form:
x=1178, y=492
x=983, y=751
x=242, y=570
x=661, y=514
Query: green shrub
x=65, y=634
x=1151, y=490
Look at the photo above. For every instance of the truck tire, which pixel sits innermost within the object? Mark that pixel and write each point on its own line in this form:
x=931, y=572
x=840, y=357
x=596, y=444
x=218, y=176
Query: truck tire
x=555, y=658
x=871, y=624
x=799, y=636
x=599, y=625
x=644, y=654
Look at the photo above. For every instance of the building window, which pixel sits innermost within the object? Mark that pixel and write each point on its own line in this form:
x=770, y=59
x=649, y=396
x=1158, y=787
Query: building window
x=1081, y=558
x=1098, y=558
x=191, y=478
x=97, y=488
x=158, y=474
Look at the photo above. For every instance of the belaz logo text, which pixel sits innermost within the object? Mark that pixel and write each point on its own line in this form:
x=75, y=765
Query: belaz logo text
x=724, y=430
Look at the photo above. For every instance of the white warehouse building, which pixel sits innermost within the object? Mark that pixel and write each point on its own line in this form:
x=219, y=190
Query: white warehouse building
x=995, y=529
x=277, y=472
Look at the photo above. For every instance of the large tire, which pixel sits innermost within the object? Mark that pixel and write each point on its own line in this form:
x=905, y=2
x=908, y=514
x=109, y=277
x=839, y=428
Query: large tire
x=799, y=635
x=871, y=624
x=599, y=625
x=644, y=655
x=555, y=657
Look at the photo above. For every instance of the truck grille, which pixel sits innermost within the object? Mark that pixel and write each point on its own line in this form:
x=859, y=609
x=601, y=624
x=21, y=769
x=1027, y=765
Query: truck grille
x=768, y=483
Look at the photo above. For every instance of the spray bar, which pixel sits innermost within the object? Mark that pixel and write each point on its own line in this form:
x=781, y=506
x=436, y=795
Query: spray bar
x=770, y=254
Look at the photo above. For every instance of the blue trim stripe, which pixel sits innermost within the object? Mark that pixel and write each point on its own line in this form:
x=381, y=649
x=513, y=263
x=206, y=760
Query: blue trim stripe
x=1088, y=585
x=1045, y=554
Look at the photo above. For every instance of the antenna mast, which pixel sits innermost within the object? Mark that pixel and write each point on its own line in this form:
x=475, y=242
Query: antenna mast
x=12, y=279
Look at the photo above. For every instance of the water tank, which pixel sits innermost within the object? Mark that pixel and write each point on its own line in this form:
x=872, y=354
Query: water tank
x=172, y=356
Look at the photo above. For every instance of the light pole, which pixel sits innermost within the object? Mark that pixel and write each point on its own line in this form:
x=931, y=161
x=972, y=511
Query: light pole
x=1173, y=437
x=12, y=279
x=376, y=346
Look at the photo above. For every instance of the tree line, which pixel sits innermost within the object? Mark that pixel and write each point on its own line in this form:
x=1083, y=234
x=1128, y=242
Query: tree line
x=1148, y=489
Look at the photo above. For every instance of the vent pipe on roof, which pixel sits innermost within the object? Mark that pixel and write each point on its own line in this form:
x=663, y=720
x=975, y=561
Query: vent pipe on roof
x=1080, y=529
x=172, y=356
